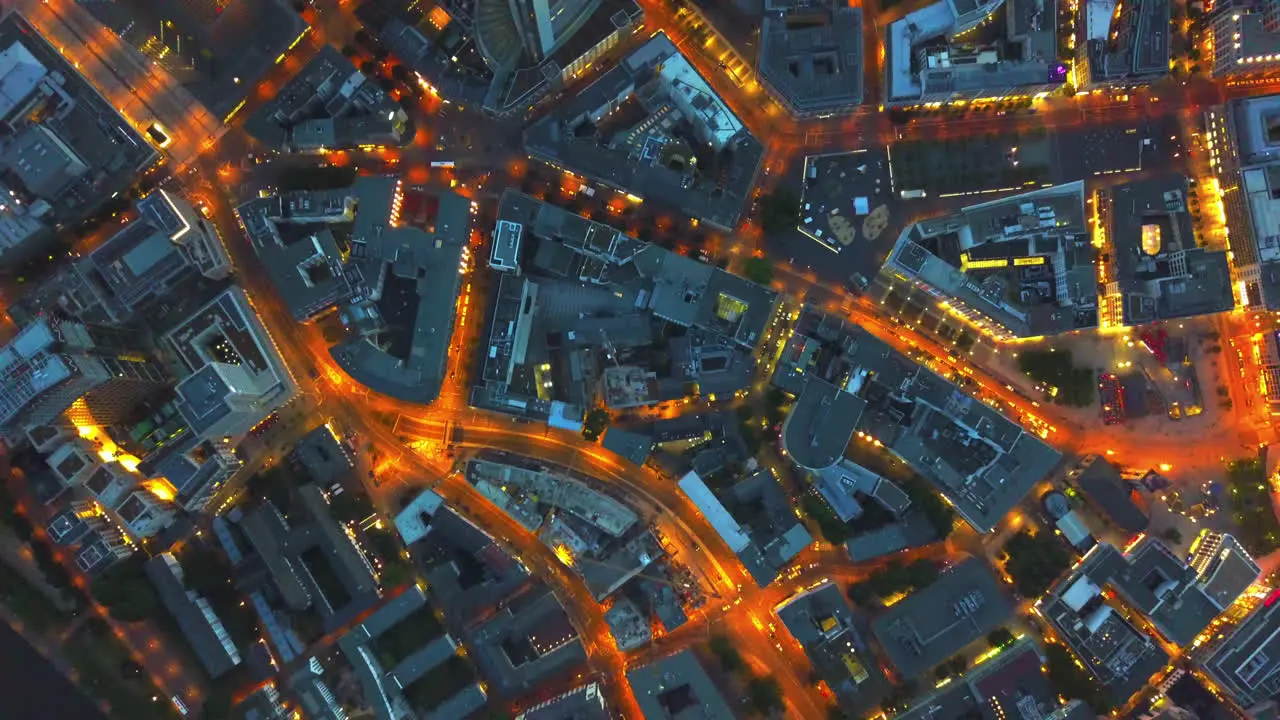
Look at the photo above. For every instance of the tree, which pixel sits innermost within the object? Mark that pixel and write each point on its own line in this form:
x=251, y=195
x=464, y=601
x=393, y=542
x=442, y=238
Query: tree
x=1034, y=562
x=400, y=73
x=779, y=211
x=758, y=270
x=596, y=422
x=368, y=68
x=1173, y=535
x=1070, y=681
x=348, y=51
x=125, y=592
x=765, y=694
x=1000, y=637
x=726, y=653
x=860, y=594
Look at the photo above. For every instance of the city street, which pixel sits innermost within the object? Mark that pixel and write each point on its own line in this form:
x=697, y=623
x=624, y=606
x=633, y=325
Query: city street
x=425, y=445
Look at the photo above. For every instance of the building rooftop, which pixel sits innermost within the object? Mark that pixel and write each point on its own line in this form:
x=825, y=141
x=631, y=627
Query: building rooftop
x=823, y=623
x=199, y=624
x=586, y=702
x=812, y=56
x=1102, y=485
x=912, y=531
x=527, y=490
x=330, y=105
x=529, y=639
x=1166, y=590
x=685, y=150
x=821, y=424
x=1133, y=44
x=982, y=461
x=1242, y=663
x=466, y=570
x=1009, y=683
x=754, y=517
x=933, y=623
x=1023, y=265
x=408, y=284
x=631, y=446
x=1226, y=569
x=1162, y=272
x=65, y=149
x=677, y=687
x=1118, y=655
x=930, y=53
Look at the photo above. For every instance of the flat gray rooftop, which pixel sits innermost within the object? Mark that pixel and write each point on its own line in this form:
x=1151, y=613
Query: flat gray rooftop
x=645, y=151
x=964, y=604
x=1162, y=271
x=813, y=57
x=677, y=687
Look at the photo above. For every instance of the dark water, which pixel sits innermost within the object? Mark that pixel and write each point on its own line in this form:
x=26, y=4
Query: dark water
x=32, y=689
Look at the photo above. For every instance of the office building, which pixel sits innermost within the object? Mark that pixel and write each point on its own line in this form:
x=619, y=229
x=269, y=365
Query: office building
x=291, y=557
x=982, y=461
x=395, y=284
x=811, y=55
x=758, y=523
x=164, y=248
x=330, y=105
x=233, y=375
x=1122, y=44
x=1158, y=270
x=821, y=620
x=1244, y=664
x=579, y=324
x=527, y=640
x=1243, y=140
x=1246, y=37
x=52, y=365
x=1018, y=267
x=1004, y=683
x=1085, y=613
x=933, y=623
x=64, y=149
x=677, y=686
x=683, y=148
x=586, y=702
x=502, y=57
x=939, y=53
x=196, y=619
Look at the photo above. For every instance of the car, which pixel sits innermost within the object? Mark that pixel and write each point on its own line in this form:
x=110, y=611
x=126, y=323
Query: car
x=157, y=134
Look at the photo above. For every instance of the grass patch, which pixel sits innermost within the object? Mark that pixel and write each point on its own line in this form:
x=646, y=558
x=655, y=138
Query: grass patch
x=1251, y=506
x=98, y=658
x=28, y=603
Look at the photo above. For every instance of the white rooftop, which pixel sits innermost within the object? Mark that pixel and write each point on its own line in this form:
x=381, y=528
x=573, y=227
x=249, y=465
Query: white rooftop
x=20, y=73
x=715, y=513
x=708, y=110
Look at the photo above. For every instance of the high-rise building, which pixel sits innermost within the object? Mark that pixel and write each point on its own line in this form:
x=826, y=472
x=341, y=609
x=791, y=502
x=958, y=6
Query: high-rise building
x=166, y=246
x=545, y=25
x=52, y=365
x=1246, y=37
x=1245, y=662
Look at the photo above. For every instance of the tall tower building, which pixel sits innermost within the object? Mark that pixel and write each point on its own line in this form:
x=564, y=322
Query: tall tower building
x=52, y=365
x=546, y=24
